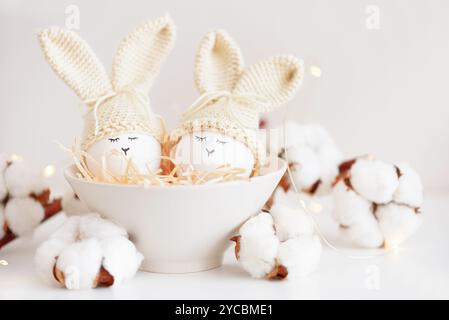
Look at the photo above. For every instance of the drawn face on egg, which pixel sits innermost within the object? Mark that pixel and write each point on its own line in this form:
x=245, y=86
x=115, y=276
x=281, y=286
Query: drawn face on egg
x=207, y=150
x=143, y=150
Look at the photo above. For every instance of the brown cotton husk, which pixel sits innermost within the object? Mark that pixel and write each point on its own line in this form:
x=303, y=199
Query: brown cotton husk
x=50, y=209
x=279, y=272
x=42, y=197
x=103, y=278
x=173, y=174
x=236, y=239
x=8, y=237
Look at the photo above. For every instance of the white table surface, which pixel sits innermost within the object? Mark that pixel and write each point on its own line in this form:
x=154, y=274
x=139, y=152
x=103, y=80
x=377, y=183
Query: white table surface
x=418, y=270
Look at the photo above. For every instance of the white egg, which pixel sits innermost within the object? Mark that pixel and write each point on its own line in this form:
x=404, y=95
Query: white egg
x=143, y=150
x=207, y=150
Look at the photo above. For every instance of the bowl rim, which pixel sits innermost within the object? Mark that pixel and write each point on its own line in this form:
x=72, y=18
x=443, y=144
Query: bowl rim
x=282, y=167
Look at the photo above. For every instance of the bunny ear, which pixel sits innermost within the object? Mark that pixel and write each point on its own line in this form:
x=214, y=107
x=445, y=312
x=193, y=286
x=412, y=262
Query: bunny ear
x=218, y=64
x=142, y=53
x=74, y=62
x=276, y=80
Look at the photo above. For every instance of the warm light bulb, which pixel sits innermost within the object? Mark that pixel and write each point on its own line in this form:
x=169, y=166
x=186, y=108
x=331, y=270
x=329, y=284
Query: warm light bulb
x=315, y=207
x=16, y=158
x=392, y=246
x=49, y=171
x=315, y=71
x=3, y=263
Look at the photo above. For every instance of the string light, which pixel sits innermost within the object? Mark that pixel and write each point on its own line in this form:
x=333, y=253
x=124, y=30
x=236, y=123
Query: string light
x=49, y=171
x=3, y=263
x=315, y=71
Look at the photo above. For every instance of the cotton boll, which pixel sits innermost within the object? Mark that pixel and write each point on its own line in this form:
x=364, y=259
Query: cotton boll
x=80, y=263
x=410, y=190
x=306, y=170
x=23, y=215
x=72, y=205
x=120, y=258
x=397, y=222
x=22, y=180
x=374, y=180
x=300, y=255
x=350, y=208
x=2, y=221
x=45, y=257
x=258, y=253
x=291, y=222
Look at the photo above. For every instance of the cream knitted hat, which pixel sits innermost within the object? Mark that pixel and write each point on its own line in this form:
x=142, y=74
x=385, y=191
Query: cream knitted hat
x=232, y=99
x=120, y=105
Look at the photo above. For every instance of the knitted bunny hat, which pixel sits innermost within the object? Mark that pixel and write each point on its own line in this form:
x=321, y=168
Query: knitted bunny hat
x=232, y=99
x=120, y=105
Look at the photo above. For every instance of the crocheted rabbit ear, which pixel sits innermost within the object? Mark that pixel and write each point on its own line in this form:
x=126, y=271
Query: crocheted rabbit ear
x=74, y=62
x=276, y=80
x=218, y=64
x=142, y=53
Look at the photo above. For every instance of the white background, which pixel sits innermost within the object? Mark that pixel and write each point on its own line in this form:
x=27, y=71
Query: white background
x=382, y=91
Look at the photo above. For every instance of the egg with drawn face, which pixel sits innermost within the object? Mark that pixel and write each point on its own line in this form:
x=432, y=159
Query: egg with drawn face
x=208, y=150
x=143, y=150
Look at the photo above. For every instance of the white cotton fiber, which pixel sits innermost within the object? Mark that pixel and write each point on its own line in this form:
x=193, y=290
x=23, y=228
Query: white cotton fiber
x=120, y=258
x=80, y=263
x=374, y=180
x=410, y=190
x=300, y=255
x=258, y=245
x=45, y=258
x=22, y=180
x=72, y=205
x=291, y=222
x=349, y=208
x=397, y=222
x=23, y=215
x=258, y=254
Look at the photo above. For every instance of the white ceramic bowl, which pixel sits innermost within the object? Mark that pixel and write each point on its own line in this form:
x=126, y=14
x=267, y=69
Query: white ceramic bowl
x=179, y=228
